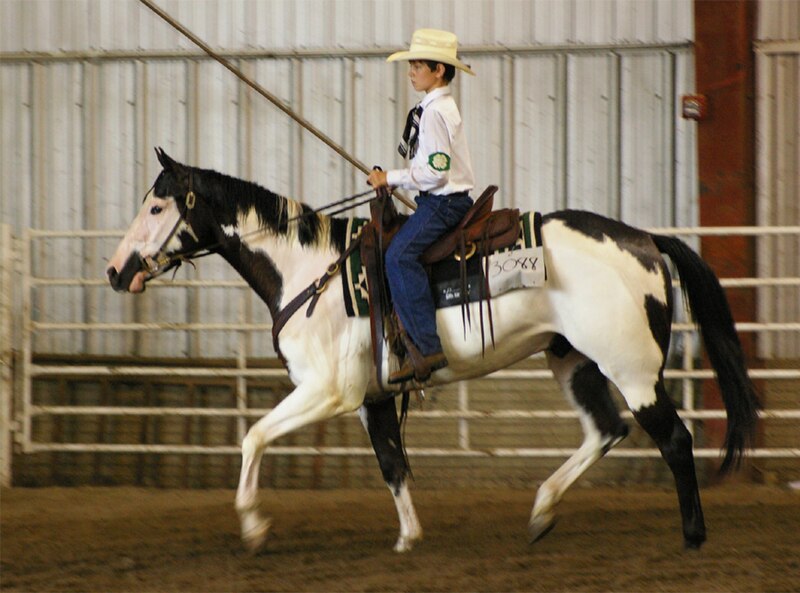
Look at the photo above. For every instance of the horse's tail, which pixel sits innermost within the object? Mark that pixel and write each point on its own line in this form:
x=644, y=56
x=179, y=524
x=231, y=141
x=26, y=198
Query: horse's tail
x=712, y=314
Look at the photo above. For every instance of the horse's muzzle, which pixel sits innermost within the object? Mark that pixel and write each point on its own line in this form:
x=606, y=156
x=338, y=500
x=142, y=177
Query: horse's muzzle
x=130, y=278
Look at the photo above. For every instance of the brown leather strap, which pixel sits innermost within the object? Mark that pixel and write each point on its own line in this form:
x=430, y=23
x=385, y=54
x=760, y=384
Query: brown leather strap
x=372, y=260
x=285, y=314
x=313, y=291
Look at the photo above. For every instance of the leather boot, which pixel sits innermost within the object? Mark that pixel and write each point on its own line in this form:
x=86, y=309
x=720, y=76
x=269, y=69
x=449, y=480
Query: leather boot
x=406, y=372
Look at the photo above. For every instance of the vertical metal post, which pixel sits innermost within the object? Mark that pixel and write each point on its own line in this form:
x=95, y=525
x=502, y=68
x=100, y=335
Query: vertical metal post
x=296, y=138
x=562, y=123
x=245, y=124
x=241, y=364
x=6, y=355
x=27, y=340
x=463, y=423
x=193, y=142
x=688, y=382
x=508, y=131
x=615, y=132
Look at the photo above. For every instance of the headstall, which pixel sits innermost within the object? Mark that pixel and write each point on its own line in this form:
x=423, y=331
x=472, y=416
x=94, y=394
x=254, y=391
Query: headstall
x=162, y=261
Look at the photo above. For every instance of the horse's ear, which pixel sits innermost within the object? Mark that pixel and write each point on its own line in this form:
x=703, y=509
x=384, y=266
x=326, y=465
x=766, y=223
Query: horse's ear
x=166, y=161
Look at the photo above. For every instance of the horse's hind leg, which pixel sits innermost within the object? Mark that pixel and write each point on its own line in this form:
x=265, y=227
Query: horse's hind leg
x=661, y=421
x=380, y=421
x=587, y=389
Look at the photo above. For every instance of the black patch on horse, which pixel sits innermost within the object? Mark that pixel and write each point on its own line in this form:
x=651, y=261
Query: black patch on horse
x=259, y=271
x=627, y=238
x=339, y=234
x=560, y=346
x=590, y=388
x=659, y=317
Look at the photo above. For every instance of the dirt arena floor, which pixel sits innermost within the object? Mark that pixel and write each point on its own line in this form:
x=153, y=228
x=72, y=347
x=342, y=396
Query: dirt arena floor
x=607, y=539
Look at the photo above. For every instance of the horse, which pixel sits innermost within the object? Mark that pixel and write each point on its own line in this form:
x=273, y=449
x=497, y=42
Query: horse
x=604, y=314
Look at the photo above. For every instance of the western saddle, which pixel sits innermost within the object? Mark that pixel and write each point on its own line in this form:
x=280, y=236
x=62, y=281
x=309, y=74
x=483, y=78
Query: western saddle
x=480, y=231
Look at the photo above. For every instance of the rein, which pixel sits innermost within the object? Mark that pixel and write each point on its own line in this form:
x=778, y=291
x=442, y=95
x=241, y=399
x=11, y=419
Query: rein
x=161, y=262
x=313, y=291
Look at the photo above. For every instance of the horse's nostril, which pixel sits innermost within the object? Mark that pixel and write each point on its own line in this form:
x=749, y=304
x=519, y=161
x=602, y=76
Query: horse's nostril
x=112, y=273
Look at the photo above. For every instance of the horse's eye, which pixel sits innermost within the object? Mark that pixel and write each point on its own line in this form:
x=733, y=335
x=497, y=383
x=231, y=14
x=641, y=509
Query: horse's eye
x=156, y=210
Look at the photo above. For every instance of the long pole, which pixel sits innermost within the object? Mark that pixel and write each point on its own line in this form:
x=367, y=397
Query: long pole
x=266, y=94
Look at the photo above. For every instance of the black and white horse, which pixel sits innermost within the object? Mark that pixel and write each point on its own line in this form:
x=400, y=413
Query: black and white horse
x=607, y=303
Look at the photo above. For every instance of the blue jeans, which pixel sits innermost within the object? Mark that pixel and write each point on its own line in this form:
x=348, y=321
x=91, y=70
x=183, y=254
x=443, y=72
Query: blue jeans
x=408, y=282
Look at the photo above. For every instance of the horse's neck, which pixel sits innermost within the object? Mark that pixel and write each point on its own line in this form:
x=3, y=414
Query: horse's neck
x=276, y=265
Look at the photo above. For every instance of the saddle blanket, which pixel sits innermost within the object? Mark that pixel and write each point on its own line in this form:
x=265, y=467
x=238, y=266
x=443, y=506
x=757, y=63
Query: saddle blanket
x=519, y=266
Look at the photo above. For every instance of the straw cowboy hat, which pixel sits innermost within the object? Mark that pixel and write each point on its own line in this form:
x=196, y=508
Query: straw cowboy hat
x=432, y=44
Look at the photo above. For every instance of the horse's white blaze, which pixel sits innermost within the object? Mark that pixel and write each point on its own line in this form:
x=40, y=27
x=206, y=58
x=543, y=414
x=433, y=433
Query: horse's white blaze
x=147, y=235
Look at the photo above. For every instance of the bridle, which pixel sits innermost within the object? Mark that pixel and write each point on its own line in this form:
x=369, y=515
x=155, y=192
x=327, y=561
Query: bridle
x=162, y=261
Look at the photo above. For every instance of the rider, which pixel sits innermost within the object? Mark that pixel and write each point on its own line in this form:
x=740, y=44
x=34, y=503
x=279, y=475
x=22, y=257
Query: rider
x=441, y=171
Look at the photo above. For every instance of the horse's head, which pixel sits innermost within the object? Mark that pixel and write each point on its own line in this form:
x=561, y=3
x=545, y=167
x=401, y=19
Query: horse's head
x=169, y=225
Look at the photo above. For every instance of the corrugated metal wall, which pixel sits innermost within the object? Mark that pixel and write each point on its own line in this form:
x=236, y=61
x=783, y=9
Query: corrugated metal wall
x=778, y=156
x=579, y=110
x=78, y=25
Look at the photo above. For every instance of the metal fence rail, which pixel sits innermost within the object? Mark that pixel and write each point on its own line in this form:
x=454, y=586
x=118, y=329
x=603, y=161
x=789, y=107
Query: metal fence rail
x=687, y=374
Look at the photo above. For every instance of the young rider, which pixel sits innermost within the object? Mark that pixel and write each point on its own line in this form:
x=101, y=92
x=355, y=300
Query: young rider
x=441, y=171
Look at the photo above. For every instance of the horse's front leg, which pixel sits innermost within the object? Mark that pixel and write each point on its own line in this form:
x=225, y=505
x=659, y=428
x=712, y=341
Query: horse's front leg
x=308, y=403
x=380, y=420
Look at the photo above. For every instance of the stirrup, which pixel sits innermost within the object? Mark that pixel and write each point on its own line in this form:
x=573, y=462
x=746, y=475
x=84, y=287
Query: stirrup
x=426, y=365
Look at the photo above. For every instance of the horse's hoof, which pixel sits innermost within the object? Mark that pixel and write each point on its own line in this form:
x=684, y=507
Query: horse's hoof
x=694, y=544
x=255, y=536
x=540, y=526
x=405, y=543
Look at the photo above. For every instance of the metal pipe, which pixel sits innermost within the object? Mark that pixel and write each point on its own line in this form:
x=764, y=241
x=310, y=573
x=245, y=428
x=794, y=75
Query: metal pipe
x=460, y=414
x=332, y=52
x=139, y=371
x=368, y=452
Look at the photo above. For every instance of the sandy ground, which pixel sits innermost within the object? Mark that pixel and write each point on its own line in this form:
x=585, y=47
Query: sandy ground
x=620, y=539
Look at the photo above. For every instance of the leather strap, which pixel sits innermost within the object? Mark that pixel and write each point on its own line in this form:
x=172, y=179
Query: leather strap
x=313, y=291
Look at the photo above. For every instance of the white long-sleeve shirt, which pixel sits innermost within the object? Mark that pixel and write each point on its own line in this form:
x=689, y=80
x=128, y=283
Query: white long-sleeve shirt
x=442, y=164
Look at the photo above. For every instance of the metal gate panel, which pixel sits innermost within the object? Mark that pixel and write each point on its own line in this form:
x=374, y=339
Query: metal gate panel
x=463, y=415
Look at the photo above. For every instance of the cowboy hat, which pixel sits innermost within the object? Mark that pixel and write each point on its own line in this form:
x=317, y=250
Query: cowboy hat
x=432, y=44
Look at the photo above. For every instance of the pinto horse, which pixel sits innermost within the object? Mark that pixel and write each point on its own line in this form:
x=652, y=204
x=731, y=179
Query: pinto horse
x=604, y=315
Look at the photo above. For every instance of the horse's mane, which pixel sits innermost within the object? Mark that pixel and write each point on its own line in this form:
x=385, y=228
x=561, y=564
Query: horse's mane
x=279, y=214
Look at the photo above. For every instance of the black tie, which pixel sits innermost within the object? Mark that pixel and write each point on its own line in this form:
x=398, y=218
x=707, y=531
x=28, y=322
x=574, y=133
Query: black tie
x=408, y=145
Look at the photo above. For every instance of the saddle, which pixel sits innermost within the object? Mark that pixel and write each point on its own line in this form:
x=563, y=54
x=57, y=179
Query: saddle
x=480, y=231
x=480, y=228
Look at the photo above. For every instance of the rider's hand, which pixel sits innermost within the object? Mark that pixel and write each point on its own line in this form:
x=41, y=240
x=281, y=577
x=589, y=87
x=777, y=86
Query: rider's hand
x=377, y=178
